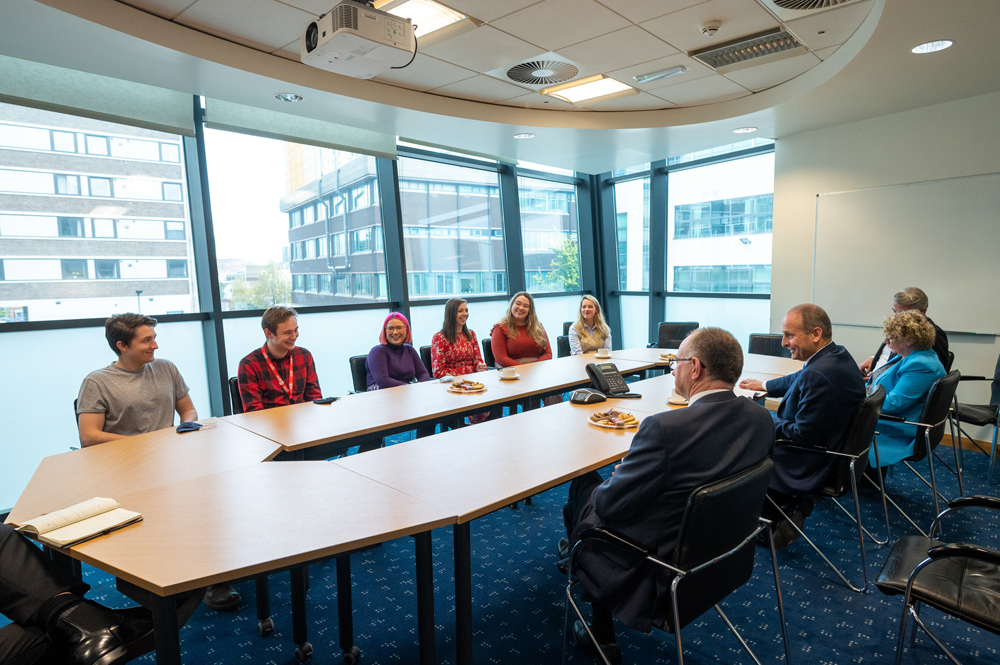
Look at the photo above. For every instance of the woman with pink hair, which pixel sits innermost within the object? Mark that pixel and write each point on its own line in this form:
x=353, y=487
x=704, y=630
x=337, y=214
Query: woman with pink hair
x=394, y=362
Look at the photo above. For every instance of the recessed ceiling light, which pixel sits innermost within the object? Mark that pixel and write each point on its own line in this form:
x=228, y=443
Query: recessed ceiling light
x=524, y=135
x=931, y=47
x=666, y=73
x=290, y=97
x=427, y=16
x=589, y=89
x=744, y=130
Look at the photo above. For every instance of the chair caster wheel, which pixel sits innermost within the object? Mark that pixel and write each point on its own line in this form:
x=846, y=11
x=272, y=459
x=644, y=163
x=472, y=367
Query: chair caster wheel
x=352, y=655
x=303, y=652
x=265, y=627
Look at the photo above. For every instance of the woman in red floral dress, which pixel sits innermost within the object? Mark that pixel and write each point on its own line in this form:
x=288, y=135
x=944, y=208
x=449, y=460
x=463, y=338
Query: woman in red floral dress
x=455, y=349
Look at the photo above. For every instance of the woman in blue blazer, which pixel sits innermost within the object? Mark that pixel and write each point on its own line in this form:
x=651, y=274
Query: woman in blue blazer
x=907, y=379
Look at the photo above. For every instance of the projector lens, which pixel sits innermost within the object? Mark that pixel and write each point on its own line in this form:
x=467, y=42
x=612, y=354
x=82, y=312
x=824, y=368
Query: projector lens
x=312, y=37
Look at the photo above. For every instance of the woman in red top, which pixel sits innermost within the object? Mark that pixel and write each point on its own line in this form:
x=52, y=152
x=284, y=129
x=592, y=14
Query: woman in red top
x=455, y=349
x=519, y=338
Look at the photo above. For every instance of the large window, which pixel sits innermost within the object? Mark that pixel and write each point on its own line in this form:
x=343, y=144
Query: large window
x=632, y=231
x=550, y=235
x=453, y=235
x=58, y=228
x=719, y=227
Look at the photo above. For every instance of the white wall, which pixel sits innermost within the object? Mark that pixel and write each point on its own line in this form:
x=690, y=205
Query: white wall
x=943, y=141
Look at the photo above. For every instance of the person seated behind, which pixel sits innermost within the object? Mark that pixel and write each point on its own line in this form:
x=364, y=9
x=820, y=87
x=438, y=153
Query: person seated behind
x=907, y=379
x=135, y=394
x=905, y=300
x=53, y=622
x=454, y=348
x=672, y=454
x=394, y=361
x=278, y=373
x=519, y=337
x=818, y=403
x=589, y=333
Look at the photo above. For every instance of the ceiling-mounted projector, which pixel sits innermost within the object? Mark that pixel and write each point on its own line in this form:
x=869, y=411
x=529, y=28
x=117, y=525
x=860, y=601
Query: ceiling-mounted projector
x=355, y=40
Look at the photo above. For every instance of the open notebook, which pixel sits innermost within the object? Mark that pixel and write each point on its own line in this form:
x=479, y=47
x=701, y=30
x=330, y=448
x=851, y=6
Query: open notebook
x=81, y=522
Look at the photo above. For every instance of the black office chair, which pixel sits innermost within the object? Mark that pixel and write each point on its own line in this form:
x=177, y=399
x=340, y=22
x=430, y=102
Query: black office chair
x=671, y=334
x=425, y=356
x=964, y=580
x=981, y=415
x=713, y=558
x=851, y=465
x=488, y=353
x=562, y=346
x=359, y=373
x=951, y=361
x=234, y=395
x=768, y=345
x=566, y=326
x=930, y=431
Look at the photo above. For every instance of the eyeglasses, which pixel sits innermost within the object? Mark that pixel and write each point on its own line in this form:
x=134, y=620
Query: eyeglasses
x=673, y=363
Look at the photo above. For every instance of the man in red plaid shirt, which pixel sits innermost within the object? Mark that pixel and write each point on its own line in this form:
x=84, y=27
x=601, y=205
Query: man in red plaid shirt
x=278, y=373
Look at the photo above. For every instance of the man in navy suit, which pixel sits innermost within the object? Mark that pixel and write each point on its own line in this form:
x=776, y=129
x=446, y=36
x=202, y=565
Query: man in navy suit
x=672, y=454
x=818, y=403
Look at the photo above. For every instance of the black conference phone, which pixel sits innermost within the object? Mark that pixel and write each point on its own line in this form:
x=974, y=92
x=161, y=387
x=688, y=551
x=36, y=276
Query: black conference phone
x=606, y=378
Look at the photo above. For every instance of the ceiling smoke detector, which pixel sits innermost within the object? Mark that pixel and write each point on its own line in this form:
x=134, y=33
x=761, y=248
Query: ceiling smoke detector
x=711, y=29
x=542, y=72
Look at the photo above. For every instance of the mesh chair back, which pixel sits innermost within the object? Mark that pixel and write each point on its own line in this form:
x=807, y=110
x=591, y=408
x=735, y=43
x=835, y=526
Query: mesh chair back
x=768, y=345
x=75, y=402
x=562, y=346
x=425, y=355
x=670, y=335
x=857, y=439
x=717, y=518
x=359, y=373
x=950, y=362
x=234, y=395
x=935, y=411
x=488, y=353
x=566, y=326
x=995, y=388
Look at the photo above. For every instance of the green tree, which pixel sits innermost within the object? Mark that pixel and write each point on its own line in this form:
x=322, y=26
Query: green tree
x=272, y=289
x=565, y=267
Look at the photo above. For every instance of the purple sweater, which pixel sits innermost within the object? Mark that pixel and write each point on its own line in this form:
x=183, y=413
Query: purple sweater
x=390, y=366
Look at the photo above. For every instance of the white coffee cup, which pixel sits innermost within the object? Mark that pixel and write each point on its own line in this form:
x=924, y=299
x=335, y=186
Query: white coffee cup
x=603, y=353
x=508, y=372
x=676, y=397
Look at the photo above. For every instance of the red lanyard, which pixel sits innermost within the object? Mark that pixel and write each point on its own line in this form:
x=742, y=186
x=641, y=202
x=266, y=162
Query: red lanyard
x=291, y=364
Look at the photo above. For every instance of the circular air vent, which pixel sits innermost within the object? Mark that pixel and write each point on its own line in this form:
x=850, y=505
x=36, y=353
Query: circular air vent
x=542, y=72
x=803, y=5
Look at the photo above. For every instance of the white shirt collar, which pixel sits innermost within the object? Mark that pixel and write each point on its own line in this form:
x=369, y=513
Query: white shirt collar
x=695, y=398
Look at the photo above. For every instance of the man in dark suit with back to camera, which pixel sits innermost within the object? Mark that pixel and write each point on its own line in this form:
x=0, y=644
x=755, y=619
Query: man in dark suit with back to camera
x=818, y=403
x=672, y=454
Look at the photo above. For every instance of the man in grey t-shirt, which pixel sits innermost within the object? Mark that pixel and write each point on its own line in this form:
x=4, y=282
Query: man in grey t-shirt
x=135, y=394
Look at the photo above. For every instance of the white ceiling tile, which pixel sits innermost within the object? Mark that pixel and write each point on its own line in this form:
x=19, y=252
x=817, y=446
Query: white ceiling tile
x=638, y=11
x=696, y=70
x=164, y=8
x=483, y=49
x=682, y=29
x=425, y=73
x=554, y=24
x=641, y=102
x=617, y=49
x=262, y=21
x=236, y=39
x=481, y=88
x=702, y=91
x=314, y=7
x=837, y=25
x=825, y=53
x=770, y=74
x=488, y=10
x=535, y=100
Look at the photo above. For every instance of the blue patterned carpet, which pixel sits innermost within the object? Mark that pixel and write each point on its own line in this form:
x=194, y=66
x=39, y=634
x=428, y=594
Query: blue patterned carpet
x=518, y=597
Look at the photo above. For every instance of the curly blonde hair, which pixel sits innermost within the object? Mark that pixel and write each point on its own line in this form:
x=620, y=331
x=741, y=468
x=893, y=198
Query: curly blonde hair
x=912, y=326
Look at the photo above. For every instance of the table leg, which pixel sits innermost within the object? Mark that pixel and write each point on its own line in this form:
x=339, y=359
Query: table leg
x=345, y=610
x=168, y=644
x=425, y=597
x=300, y=633
x=463, y=594
x=262, y=592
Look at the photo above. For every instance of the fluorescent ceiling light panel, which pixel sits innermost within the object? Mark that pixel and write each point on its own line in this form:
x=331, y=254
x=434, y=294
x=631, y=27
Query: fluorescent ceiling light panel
x=426, y=15
x=590, y=89
x=656, y=76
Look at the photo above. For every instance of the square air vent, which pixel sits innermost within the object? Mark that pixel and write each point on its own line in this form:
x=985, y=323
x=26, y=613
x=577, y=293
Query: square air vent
x=749, y=51
x=787, y=10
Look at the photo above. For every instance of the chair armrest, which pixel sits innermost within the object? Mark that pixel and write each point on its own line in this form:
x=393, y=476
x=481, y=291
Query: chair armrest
x=973, y=378
x=966, y=551
x=652, y=345
x=975, y=501
x=895, y=419
x=616, y=539
x=788, y=443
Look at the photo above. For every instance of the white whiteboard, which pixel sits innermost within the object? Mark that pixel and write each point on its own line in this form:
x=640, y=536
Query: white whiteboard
x=942, y=236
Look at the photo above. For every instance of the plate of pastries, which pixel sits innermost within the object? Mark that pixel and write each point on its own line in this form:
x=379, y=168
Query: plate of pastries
x=614, y=419
x=669, y=356
x=465, y=386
